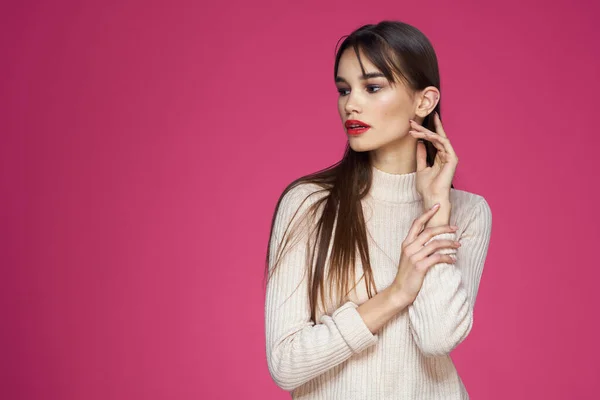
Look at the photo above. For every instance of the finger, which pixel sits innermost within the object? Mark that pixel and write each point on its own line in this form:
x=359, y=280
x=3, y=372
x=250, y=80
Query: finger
x=441, y=143
x=433, y=247
x=436, y=258
x=448, y=171
x=428, y=233
x=429, y=137
x=421, y=156
x=436, y=245
x=433, y=137
x=445, y=142
x=419, y=223
x=418, y=127
x=437, y=122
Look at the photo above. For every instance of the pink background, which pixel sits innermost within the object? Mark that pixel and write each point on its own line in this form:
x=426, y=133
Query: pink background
x=144, y=145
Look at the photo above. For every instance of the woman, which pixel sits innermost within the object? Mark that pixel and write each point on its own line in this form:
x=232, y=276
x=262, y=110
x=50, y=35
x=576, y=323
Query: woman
x=389, y=214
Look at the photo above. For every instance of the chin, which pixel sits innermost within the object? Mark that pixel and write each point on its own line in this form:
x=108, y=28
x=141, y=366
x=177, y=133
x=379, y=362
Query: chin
x=361, y=143
x=361, y=146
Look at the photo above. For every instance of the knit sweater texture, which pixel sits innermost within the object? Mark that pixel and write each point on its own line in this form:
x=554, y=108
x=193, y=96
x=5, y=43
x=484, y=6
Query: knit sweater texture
x=337, y=356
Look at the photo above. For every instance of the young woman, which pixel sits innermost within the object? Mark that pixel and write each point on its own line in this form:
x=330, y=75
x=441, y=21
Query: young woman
x=374, y=263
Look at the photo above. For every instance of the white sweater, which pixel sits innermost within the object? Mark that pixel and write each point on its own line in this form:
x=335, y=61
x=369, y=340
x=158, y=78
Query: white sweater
x=338, y=357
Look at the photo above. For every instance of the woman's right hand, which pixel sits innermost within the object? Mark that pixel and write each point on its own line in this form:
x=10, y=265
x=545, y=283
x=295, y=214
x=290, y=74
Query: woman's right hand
x=416, y=259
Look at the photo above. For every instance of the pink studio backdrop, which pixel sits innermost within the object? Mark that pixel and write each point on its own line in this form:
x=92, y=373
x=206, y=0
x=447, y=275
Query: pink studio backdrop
x=144, y=145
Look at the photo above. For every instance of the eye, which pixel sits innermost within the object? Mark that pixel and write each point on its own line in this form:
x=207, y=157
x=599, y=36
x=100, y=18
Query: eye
x=370, y=88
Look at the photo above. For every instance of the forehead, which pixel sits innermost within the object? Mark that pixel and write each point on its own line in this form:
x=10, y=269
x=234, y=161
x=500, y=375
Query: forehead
x=349, y=66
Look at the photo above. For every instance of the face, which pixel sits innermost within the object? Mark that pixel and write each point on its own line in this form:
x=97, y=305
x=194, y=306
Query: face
x=376, y=102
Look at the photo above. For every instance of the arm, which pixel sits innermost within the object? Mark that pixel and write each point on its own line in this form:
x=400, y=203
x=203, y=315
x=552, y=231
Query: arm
x=441, y=316
x=298, y=349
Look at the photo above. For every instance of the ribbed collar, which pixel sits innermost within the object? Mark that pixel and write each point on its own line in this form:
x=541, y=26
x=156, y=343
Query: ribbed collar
x=396, y=188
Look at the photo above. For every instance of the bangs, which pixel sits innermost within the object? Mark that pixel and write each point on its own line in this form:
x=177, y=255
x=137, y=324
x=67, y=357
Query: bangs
x=378, y=52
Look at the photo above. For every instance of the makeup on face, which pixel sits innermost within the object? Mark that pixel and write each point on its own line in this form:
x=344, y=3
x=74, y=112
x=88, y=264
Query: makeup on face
x=356, y=127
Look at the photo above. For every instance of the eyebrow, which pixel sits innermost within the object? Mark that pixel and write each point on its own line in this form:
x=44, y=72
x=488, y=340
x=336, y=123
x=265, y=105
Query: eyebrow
x=363, y=77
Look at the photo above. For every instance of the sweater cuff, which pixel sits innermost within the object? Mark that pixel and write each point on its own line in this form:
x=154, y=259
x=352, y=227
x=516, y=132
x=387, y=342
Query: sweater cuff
x=444, y=250
x=353, y=328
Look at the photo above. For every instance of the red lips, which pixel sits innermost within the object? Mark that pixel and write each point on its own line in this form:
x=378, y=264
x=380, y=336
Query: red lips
x=355, y=127
x=353, y=122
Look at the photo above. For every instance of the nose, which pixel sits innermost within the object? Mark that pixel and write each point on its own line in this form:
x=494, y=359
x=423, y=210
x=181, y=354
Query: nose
x=353, y=103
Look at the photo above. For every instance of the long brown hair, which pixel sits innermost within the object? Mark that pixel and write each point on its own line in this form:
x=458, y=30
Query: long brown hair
x=401, y=52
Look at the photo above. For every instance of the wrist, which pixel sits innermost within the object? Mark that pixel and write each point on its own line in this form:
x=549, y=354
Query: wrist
x=398, y=298
x=429, y=202
x=442, y=216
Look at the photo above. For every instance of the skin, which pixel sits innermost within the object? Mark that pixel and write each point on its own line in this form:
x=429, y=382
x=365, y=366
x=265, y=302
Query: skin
x=393, y=139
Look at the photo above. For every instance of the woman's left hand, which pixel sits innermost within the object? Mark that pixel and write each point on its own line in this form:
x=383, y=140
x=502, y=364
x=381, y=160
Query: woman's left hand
x=433, y=183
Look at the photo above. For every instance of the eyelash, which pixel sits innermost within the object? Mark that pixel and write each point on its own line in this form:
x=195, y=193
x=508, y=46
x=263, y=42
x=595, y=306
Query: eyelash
x=340, y=91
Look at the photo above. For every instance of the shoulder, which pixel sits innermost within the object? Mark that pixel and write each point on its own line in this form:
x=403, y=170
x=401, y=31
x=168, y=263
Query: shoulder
x=293, y=209
x=467, y=206
x=294, y=195
x=297, y=198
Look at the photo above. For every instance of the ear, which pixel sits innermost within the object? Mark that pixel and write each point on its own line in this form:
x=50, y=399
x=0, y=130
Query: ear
x=428, y=100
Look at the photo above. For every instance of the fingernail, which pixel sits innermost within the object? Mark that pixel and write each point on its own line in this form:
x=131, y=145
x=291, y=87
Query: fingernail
x=453, y=226
x=436, y=205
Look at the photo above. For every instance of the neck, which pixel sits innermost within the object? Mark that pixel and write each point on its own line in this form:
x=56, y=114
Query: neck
x=396, y=188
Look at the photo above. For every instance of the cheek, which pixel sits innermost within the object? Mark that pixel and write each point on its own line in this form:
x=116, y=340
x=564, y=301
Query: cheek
x=391, y=106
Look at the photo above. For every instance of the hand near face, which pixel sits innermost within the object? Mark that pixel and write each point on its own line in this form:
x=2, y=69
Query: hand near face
x=433, y=183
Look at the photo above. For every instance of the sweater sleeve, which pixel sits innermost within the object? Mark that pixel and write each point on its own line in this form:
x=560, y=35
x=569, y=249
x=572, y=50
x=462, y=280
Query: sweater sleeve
x=441, y=316
x=298, y=349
